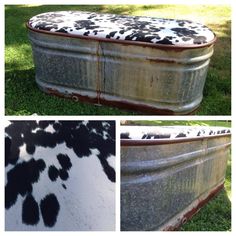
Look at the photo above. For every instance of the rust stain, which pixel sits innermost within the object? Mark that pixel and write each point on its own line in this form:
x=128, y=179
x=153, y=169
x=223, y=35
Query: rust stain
x=74, y=96
x=151, y=82
x=120, y=104
x=54, y=92
x=98, y=74
x=81, y=98
x=139, y=108
x=142, y=109
x=153, y=78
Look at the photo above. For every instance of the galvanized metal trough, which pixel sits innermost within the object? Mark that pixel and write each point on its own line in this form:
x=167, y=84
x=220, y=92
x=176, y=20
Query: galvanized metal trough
x=169, y=173
x=151, y=65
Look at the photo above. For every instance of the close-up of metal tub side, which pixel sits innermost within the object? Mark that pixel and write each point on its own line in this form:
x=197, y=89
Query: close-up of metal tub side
x=167, y=177
x=141, y=76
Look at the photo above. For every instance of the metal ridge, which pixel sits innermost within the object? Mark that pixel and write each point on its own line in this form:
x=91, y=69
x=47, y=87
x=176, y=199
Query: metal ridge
x=148, y=142
x=122, y=55
x=167, y=162
x=126, y=42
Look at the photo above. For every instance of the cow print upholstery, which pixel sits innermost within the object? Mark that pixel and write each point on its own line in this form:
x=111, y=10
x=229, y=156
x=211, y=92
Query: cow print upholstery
x=123, y=27
x=60, y=175
x=174, y=132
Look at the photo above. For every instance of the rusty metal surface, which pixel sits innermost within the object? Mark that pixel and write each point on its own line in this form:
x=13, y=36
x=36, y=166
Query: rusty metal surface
x=162, y=185
x=161, y=80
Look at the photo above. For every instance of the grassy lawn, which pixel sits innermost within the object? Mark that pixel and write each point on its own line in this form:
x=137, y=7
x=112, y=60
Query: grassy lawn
x=219, y=123
x=22, y=97
x=215, y=215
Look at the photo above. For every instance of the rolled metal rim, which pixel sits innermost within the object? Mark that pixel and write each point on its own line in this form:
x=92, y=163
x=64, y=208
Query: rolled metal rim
x=148, y=142
x=126, y=42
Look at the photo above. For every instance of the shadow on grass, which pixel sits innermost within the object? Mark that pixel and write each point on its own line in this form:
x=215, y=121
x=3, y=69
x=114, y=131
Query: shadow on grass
x=217, y=92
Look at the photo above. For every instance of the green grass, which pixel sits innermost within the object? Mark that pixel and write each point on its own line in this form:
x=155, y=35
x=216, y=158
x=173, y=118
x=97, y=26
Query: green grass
x=216, y=214
x=180, y=122
x=22, y=97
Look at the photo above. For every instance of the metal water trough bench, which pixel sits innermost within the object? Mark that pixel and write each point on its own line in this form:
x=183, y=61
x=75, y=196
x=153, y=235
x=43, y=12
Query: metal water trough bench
x=147, y=64
x=169, y=173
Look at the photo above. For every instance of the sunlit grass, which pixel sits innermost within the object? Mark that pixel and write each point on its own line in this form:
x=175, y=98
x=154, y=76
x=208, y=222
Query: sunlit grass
x=18, y=57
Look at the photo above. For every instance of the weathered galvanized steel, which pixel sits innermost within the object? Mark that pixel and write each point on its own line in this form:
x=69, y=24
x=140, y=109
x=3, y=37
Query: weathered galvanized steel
x=164, y=77
x=167, y=174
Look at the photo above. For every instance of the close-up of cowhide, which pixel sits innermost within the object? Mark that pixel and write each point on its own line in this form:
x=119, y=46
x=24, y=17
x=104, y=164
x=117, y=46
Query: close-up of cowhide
x=174, y=132
x=123, y=27
x=60, y=175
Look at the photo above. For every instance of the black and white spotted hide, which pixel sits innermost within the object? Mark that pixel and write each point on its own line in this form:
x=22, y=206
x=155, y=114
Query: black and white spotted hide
x=122, y=27
x=170, y=132
x=60, y=175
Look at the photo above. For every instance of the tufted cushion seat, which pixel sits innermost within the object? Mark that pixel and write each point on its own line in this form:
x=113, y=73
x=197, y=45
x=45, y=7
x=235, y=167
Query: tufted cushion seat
x=151, y=30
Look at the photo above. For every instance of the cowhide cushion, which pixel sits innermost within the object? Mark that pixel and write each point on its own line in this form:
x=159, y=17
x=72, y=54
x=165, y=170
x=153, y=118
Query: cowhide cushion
x=60, y=175
x=154, y=132
x=123, y=27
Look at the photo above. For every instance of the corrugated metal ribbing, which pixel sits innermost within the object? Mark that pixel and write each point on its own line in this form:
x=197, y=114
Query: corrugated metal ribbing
x=159, y=78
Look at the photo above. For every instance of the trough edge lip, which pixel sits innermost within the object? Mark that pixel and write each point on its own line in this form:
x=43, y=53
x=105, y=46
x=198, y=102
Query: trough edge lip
x=149, y=142
x=127, y=42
